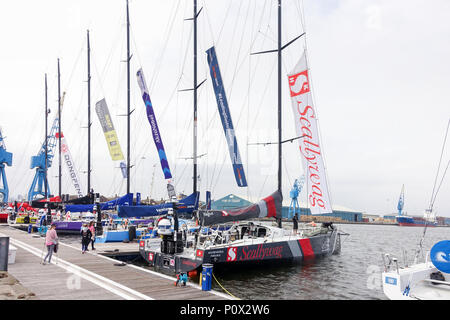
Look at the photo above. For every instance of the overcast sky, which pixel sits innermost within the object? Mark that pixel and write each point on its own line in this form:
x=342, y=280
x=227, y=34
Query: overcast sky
x=380, y=77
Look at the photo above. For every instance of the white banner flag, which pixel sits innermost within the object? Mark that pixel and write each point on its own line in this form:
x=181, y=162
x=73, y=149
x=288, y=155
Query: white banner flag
x=311, y=152
x=67, y=158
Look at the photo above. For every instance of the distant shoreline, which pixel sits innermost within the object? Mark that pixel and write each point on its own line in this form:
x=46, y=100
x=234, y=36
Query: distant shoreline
x=353, y=222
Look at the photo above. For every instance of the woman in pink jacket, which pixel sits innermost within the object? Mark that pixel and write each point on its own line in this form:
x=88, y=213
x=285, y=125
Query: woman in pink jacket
x=51, y=239
x=92, y=228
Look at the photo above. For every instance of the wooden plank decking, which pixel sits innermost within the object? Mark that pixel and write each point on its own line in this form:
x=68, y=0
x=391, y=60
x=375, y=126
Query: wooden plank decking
x=76, y=276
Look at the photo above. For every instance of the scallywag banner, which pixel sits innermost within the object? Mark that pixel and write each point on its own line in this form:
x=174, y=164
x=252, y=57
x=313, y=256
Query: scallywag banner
x=310, y=149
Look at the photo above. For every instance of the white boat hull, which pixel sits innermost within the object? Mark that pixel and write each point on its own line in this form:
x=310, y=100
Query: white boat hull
x=417, y=277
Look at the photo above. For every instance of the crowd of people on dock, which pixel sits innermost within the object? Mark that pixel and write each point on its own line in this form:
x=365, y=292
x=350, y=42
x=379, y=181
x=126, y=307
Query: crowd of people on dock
x=51, y=240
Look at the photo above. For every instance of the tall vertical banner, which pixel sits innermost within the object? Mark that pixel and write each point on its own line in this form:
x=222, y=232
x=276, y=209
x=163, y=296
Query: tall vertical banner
x=310, y=150
x=68, y=160
x=225, y=116
x=154, y=126
x=208, y=200
x=101, y=108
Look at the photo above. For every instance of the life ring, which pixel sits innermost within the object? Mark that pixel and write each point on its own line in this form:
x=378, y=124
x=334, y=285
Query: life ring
x=160, y=218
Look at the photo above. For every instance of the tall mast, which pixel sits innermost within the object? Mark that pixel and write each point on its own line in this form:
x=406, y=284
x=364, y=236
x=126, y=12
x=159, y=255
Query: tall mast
x=279, y=97
x=59, y=127
x=46, y=141
x=128, y=100
x=89, y=114
x=195, y=99
x=279, y=50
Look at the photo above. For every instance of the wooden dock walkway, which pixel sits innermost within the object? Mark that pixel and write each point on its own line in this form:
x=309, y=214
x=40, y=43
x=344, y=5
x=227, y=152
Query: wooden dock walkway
x=76, y=276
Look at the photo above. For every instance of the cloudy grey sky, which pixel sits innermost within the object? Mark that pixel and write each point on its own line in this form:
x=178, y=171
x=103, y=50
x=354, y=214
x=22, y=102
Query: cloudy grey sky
x=380, y=73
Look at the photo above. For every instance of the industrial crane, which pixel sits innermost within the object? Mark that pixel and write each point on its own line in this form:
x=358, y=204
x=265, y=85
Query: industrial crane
x=295, y=192
x=5, y=159
x=401, y=201
x=40, y=179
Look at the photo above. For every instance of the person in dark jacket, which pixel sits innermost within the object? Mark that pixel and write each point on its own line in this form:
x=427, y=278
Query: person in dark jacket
x=295, y=224
x=86, y=236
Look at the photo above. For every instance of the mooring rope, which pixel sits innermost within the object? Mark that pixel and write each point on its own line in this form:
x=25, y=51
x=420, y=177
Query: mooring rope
x=224, y=288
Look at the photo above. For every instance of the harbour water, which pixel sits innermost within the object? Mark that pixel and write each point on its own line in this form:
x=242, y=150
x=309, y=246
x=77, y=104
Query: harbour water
x=354, y=274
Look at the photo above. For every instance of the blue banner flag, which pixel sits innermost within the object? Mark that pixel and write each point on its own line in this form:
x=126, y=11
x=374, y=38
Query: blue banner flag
x=208, y=200
x=225, y=116
x=154, y=126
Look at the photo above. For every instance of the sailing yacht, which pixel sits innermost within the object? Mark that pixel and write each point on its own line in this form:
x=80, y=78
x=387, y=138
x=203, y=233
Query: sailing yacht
x=234, y=237
x=419, y=281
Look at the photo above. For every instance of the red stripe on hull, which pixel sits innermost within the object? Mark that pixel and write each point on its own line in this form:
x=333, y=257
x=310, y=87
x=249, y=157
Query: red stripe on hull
x=308, y=252
x=403, y=224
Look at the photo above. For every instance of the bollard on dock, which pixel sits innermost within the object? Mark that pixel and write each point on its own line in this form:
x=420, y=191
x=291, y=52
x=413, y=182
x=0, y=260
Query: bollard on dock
x=4, y=252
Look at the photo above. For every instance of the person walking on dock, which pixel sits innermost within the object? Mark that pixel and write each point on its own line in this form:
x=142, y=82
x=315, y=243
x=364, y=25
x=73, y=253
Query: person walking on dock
x=86, y=236
x=92, y=229
x=51, y=239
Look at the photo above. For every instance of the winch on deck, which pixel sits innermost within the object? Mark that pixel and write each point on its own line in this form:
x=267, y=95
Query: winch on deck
x=172, y=240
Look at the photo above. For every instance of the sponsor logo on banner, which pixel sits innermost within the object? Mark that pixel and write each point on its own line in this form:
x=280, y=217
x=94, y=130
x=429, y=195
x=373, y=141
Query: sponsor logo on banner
x=231, y=254
x=112, y=141
x=70, y=166
x=306, y=126
x=299, y=83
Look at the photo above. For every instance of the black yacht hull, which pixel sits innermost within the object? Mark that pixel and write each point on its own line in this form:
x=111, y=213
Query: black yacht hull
x=295, y=250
